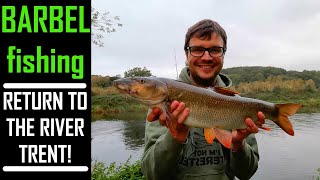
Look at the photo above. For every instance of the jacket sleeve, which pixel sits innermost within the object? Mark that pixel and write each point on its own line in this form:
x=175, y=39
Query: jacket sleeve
x=161, y=152
x=244, y=163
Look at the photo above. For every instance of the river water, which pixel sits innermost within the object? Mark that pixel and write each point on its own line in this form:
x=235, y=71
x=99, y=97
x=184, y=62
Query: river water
x=281, y=156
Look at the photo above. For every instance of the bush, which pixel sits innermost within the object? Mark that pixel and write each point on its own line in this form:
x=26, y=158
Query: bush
x=115, y=103
x=124, y=171
x=318, y=174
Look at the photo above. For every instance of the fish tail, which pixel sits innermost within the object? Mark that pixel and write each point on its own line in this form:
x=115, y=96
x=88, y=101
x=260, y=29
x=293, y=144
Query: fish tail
x=285, y=110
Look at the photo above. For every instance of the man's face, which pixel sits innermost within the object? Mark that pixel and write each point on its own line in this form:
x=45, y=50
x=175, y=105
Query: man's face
x=203, y=70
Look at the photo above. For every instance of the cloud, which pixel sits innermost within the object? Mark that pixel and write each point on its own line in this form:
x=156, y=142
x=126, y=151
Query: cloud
x=281, y=33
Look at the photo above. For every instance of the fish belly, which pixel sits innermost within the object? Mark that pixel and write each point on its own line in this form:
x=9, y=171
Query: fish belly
x=221, y=117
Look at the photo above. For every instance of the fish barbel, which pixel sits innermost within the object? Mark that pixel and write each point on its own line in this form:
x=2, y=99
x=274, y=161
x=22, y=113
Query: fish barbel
x=218, y=110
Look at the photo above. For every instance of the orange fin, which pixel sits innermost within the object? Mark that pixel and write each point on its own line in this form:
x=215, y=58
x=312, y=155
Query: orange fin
x=224, y=137
x=286, y=110
x=265, y=128
x=225, y=91
x=209, y=135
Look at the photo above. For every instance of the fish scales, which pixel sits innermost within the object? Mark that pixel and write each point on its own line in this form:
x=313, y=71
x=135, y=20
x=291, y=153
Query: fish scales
x=211, y=109
x=208, y=108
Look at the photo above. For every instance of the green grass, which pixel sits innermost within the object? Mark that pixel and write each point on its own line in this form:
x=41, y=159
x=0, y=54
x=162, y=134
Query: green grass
x=318, y=174
x=127, y=171
x=309, y=100
x=123, y=171
x=115, y=103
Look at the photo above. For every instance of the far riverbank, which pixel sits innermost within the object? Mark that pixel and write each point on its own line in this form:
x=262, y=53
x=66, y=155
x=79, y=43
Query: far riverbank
x=118, y=104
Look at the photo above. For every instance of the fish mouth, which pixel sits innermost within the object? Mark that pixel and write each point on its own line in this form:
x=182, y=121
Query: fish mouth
x=121, y=87
x=124, y=88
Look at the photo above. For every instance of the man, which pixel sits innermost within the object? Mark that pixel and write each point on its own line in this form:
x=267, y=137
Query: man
x=185, y=154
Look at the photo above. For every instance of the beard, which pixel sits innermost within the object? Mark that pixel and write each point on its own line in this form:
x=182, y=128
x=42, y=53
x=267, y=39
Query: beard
x=202, y=82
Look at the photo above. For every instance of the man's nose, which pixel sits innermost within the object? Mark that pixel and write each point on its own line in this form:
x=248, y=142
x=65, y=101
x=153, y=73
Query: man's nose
x=206, y=56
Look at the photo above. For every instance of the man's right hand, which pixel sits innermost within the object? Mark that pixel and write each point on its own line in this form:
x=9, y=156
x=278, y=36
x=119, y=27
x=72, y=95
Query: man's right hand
x=178, y=115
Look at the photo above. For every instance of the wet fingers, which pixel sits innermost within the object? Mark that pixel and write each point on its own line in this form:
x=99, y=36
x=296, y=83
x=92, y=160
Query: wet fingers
x=183, y=115
x=178, y=110
x=261, y=118
x=154, y=114
x=252, y=128
x=174, y=105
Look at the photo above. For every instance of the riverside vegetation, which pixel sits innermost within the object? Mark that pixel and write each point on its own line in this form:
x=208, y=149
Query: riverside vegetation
x=127, y=171
x=271, y=84
x=124, y=171
x=266, y=83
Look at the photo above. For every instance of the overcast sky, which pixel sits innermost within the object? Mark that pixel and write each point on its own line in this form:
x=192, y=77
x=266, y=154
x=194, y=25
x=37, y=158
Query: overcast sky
x=280, y=33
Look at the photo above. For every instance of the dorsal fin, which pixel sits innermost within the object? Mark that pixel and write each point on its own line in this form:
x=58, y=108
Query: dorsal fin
x=225, y=91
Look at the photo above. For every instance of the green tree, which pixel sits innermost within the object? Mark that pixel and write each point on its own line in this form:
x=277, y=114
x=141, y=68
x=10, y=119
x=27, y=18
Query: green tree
x=137, y=71
x=102, y=23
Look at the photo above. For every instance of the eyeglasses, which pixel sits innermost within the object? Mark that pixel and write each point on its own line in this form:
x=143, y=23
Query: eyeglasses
x=198, y=51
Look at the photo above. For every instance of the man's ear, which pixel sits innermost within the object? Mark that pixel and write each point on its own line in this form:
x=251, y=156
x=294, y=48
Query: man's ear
x=187, y=63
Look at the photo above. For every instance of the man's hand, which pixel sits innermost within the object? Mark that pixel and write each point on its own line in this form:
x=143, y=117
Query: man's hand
x=240, y=134
x=178, y=114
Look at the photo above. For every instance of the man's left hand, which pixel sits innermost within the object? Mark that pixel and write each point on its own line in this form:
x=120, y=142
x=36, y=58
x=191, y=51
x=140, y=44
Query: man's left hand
x=239, y=135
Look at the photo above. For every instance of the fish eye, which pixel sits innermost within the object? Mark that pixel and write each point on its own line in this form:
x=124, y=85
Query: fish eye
x=142, y=81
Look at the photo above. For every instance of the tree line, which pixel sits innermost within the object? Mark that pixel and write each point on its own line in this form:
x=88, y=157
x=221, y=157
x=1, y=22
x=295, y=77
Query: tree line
x=101, y=85
x=251, y=74
x=277, y=83
x=244, y=79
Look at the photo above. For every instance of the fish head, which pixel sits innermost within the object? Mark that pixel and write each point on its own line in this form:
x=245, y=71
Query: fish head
x=148, y=90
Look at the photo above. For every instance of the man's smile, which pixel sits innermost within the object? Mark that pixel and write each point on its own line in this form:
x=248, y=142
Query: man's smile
x=205, y=66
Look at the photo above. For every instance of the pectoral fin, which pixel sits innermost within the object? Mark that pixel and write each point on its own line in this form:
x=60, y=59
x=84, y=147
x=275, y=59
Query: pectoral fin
x=171, y=125
x=224, y=137
x=209, y=135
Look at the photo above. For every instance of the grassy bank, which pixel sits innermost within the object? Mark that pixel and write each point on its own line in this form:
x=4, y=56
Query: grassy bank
x=127, y=171
x=115, y=103
x=124, y=171
x=106, y=99
x=309, y=100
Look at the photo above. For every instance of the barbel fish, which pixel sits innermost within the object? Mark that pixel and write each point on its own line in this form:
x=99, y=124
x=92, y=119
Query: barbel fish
x=218, y=110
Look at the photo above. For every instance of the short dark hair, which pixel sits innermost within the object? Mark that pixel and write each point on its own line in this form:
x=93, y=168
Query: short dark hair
x=204, y=29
